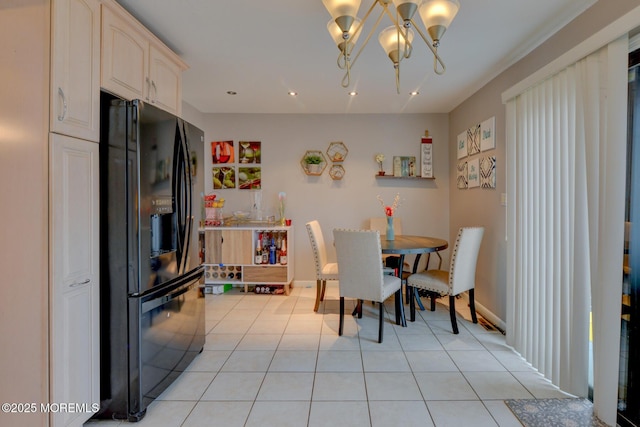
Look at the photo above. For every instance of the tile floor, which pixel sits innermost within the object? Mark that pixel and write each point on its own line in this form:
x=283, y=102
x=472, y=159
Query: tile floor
x=271, y=361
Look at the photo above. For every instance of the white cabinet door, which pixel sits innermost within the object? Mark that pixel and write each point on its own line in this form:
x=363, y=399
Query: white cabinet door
x=166, y=82
x=74, y=339
x=125, y=58
x=75, y=72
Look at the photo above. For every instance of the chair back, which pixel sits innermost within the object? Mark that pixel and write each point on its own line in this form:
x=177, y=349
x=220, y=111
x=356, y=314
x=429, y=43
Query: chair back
x=317, y=245
x=462, y=273
x=359, y=264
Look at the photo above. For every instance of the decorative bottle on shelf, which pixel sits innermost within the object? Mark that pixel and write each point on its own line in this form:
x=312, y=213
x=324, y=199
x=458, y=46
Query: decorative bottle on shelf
x=265, y=249
x=283, y=252
x=258, y=257
x=272, y=251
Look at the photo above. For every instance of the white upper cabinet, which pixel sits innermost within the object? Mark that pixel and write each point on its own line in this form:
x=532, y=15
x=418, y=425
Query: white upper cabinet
x=136, y=65
x=75, y=69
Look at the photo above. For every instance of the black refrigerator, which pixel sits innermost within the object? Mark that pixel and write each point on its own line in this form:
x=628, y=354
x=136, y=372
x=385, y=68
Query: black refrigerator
x=152, y=309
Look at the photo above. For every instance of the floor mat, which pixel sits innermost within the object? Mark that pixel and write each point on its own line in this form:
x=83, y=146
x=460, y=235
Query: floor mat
x=554, y=412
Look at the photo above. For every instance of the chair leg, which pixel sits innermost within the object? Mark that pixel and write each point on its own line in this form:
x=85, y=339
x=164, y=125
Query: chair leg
x=341, y=316
x=472, y=305
x=433, y=301
x=359, y=305
x=452, y=313
x=381, y=322
x=412, y=303
x=324, y=287
x=318, y=294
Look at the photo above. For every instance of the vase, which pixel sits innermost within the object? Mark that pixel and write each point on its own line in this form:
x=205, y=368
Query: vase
x=390, y=232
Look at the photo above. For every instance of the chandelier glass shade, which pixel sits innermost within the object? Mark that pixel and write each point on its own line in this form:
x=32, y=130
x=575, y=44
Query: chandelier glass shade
x=396, y=40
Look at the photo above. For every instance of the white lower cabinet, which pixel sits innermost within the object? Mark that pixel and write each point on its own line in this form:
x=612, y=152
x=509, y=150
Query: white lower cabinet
x=74, y=311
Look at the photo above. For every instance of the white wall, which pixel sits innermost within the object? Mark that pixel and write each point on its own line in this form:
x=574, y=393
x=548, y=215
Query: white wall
x=343, y=203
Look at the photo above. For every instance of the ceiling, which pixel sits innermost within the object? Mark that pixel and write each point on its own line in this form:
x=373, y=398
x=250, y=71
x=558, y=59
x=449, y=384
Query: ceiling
x=264, y=49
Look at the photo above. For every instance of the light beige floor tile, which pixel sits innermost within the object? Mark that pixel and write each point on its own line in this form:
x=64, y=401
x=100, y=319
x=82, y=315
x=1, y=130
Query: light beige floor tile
x=339, y=386
x=165, y=413
x=419, y=327
x=369, y=340
x=218, y=414
x=248, y=361
x=385, y=361
x=493, y=341
x=188, y=386
x=241, y=313
x=335, y=342
x=501, y=413
x=234, y=386
x=299, y=342
x=222, y=341
x=255, y=341
x=209, y=361
x=456, y=414
x=430, y=361
x=269, y=326
x=419, y=342
x=294, y=361
x=279, y=414
x=444, y=386
x=339, y=414
x=391, y=386
x=339, y=361
x=497, y=385
x=401, y=414
x=232, y=326
x=300, y=326
x=538, y=385
x=443, y=327
x=512, y=361
x=475, y=360
x=286, y=386
x=459, y=342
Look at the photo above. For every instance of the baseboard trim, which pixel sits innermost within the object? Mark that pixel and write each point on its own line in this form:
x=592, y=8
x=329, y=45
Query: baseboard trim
x=487, y=314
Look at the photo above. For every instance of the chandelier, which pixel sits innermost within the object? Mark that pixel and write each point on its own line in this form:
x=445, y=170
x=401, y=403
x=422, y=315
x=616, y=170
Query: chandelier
x=396, y=40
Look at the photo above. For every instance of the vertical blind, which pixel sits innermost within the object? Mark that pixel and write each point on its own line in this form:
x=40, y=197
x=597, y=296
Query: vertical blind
x=565, y=177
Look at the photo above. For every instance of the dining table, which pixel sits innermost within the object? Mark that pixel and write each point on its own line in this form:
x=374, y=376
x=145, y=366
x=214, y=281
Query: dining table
x=403, y=245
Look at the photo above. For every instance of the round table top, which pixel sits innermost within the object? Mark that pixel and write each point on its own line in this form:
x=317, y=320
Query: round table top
x=406, y=244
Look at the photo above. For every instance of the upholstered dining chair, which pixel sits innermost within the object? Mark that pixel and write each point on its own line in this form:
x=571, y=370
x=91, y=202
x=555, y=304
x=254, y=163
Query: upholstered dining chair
x=360, y=273
x=324, y=270
x=461, y=276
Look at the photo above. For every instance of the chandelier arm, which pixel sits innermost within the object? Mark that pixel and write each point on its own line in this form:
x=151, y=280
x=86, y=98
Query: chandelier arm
x=346, y=80
x=397, y=69
x=364, y=44
x=436, y=57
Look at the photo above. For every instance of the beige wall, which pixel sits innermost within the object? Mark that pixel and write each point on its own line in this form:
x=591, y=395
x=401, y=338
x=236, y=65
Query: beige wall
x=483, y=207
x=24, y=112
x=352, y=200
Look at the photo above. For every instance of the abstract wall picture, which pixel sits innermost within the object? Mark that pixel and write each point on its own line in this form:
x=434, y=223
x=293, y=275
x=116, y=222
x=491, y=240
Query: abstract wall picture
x=462, y=145
x=473, y=173
x=487, y=134
x=488, y=172
x=250, y=152
x=223, y=177
x=222, y=152
x=462, y=175
x=249, y=178
x=473, y=140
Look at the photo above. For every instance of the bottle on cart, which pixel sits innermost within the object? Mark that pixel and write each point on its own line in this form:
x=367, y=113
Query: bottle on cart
x=272, y=251
x=283, y=252
x=258, y=257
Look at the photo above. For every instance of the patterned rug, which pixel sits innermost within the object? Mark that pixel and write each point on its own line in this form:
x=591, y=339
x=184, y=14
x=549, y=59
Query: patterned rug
x=554, y=412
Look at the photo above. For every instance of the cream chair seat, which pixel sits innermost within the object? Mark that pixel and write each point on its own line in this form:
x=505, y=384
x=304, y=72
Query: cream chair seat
x=361, y=275
x=459, y=278
x=324, y=270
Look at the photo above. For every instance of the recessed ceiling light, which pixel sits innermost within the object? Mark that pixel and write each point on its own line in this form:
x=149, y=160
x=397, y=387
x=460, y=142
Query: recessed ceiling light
x=232, y=92
x=414, y=93
x=353, y=93
x=293, y=93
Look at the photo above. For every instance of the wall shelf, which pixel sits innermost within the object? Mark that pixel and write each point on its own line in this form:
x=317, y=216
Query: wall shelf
x=402, y=177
